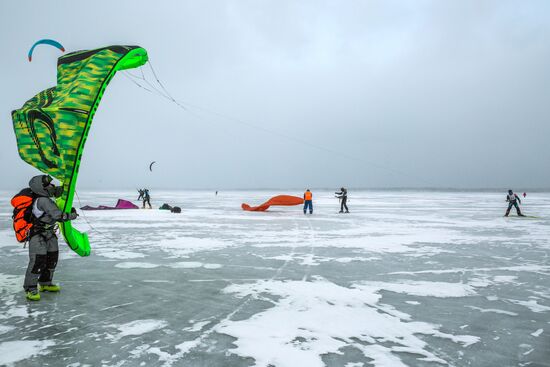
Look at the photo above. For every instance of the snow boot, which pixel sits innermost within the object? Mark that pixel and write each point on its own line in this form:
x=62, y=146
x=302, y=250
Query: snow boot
x=49, y=288
x=33, y=295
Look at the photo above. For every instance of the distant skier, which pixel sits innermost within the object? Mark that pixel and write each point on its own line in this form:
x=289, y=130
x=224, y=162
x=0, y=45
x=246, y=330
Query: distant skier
x=308, y=202
x=343, y=196
x=524, y=195
x=144, y=195
x=216, y=193
x=513, y=200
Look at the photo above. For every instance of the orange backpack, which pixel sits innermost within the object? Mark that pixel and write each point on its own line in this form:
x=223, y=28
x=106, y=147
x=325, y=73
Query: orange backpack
x=22, y=213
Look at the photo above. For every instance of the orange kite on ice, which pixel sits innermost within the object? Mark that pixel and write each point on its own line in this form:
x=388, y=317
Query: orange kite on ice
x=285, y=200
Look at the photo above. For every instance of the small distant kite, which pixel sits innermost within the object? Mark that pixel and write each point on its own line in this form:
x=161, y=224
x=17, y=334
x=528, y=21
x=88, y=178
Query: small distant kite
x=151, y=166
x=284, y=200
x=46, y=42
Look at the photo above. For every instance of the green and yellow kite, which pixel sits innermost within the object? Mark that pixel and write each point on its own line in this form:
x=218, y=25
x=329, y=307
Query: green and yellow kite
x=51, y=128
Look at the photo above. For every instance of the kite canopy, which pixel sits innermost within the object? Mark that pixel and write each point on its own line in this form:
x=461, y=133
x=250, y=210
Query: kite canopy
x=53, y=43
x=121, y=204
x=284, y=200
x=51, y=128
x=151, y=166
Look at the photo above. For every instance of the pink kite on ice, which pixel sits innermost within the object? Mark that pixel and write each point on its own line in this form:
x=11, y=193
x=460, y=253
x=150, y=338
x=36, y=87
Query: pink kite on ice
x=121, y=204
x=285, y=200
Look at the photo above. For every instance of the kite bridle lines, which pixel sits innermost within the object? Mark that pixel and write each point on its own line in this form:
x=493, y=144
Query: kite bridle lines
x=189, y=108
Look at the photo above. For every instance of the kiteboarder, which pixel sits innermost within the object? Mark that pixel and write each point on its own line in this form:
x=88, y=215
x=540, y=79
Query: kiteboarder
x=144, y=195
x=513, y=200
x=343, y=196
x=43, y=247
x=308, y=201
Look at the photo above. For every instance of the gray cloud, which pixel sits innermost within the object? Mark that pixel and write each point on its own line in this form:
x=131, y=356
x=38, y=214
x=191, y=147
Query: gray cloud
x=447, y=94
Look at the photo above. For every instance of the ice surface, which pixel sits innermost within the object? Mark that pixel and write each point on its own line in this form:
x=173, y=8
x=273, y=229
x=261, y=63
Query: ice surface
x=139, y=327
x=15, y=351
x=406, y=279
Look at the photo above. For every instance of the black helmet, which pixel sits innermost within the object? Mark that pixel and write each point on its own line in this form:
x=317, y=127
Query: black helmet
x=510, y=192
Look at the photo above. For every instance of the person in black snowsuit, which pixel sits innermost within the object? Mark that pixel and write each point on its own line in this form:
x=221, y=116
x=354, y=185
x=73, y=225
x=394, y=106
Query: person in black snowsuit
x=43, y=246
x=144, y=195
x=513, y=200
x=343, y=196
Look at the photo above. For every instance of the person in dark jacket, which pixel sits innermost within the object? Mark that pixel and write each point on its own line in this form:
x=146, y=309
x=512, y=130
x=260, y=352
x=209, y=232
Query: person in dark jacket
x=144, y=195
x=343, y=196
x=513, y=200
x=43, y=246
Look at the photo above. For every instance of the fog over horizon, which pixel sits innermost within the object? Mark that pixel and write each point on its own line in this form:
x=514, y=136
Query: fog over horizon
x=284, y=94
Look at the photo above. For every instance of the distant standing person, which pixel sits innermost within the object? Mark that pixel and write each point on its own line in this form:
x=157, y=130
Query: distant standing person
x=146, y=198
x=513, y=200
x=524, y=194
x=308, y=202
x=343, y=196
x=144, y=195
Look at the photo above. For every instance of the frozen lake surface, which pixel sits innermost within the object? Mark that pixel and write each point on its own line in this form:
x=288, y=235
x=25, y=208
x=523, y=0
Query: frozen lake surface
x=406, y=279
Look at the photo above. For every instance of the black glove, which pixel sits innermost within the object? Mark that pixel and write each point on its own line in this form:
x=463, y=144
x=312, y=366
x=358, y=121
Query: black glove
x=73, y=214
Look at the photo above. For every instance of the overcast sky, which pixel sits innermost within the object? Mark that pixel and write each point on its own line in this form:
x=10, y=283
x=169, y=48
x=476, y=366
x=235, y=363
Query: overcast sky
x=299, y=93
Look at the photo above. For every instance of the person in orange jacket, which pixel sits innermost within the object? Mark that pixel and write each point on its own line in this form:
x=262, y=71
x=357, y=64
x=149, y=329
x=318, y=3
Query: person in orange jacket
x=308, y=201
